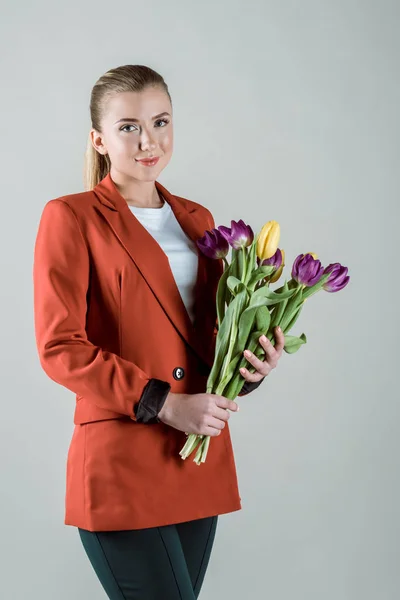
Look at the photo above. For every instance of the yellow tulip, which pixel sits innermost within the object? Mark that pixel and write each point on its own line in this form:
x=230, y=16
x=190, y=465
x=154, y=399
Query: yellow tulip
x=278, y=273
x=268, y=240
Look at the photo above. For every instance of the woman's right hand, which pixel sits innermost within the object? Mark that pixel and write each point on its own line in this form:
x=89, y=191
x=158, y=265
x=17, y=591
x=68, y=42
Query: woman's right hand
x=203, y=414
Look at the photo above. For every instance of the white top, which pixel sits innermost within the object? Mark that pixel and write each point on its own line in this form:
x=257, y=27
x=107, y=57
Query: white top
x=180, y=250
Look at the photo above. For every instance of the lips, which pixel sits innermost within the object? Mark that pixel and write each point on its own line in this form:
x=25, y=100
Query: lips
x=149, y=162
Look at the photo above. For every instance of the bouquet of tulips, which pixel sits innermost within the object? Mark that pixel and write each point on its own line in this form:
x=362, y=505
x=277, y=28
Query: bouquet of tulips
x=247, y=307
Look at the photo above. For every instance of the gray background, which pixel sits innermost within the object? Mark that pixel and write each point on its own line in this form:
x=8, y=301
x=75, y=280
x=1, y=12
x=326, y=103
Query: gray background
x=282, y=110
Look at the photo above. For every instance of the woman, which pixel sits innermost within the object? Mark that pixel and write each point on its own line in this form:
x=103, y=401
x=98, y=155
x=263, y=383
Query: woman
x=125, y=318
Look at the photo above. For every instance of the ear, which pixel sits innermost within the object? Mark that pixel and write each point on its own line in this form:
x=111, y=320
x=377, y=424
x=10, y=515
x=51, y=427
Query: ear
x=98, y=141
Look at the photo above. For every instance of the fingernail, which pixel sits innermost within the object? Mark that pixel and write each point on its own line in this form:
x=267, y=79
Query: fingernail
x=279, y=329
x=263, y=337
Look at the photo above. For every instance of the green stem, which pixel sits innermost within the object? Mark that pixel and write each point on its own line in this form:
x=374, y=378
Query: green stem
x=190, y=445
x=310, y=291
x=227, y=360
x=291, y=306
x=244, y=256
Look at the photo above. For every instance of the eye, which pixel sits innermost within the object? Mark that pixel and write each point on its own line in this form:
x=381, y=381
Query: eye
x=122, y=128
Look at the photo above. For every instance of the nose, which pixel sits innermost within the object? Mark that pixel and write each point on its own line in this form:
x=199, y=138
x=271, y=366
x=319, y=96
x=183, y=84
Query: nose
x=147, y=142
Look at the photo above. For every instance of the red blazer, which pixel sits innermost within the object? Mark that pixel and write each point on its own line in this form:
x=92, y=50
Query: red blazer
x=109, y=319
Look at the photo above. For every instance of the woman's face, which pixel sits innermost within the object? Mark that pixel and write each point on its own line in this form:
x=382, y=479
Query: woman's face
x=136, y=125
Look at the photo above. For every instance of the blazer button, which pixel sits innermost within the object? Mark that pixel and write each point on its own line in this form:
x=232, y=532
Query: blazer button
x=178, y=373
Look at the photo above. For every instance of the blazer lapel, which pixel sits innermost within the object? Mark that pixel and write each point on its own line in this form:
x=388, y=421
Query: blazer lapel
x=152, y=261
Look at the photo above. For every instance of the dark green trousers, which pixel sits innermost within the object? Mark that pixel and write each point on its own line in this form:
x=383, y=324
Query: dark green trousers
x=158, y=563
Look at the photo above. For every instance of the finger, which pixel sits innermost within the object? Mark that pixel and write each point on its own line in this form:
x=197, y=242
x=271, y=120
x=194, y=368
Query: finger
x=212, y=431
x=255, y=361
x=280, y=339
x=215, y=423
x=224, y=402
x=221, y=413
x=256, y=376
x=271, y=354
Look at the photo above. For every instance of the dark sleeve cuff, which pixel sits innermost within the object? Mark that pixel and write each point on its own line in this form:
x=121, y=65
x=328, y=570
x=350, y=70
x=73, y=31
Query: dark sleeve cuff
x=250, y=386
x=151, y=401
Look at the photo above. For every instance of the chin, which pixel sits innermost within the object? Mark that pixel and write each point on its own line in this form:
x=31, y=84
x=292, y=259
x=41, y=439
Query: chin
x=150, y=177
x=148, y=173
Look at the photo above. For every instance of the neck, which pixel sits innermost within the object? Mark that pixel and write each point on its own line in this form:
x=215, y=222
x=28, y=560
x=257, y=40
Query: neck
x=142, y=194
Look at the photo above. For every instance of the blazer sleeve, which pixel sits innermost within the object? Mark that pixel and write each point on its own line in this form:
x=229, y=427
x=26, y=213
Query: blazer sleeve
x=250, y=386
x=60, y=280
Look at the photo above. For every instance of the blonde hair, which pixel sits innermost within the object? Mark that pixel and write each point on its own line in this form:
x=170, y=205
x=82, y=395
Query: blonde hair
x=126, y=78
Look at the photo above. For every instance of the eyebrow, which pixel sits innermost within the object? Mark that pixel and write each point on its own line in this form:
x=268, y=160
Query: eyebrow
x=131, y=120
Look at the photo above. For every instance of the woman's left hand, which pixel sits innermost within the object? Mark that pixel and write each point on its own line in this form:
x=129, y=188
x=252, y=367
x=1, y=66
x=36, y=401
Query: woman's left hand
x=272, y=355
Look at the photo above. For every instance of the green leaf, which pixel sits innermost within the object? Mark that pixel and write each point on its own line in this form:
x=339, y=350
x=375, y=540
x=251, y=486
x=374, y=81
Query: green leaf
x=293, y=318
x=226, y=335
x=263, y=318
x=232, y=283
x=286, y=286
x=233, y=272
x=293, y=343
x=242, y=337
x=251, y=260
x=245, y=324
x=258, y=274
x=235, y=263
x=269, y=296
x=291, y=308
x=233, y=385
x=254, y=314
x=221, y=293
x=279, y=309
x=222, y=342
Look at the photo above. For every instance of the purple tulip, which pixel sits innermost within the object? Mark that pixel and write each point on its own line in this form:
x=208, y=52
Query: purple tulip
x=307, y=270
x=275, y=260
x=213, y=244
x=239, y=235
x=338, y=279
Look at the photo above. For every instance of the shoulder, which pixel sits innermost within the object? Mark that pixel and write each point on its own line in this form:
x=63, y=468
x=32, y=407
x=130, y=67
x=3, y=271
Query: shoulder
x=76, y=201
x=77, y=209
